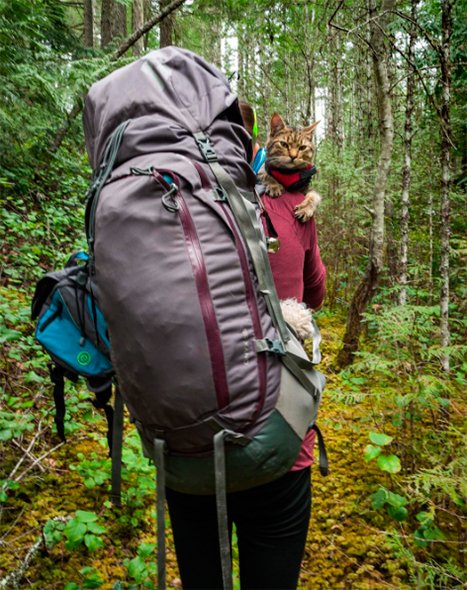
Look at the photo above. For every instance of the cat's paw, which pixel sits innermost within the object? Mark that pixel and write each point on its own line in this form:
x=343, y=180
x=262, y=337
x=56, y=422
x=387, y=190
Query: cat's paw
x=306, y=209
x=271, y=186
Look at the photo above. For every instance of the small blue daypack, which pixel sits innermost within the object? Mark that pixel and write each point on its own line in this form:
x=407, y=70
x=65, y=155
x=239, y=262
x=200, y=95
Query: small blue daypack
x=70, y=324
x=71, y=328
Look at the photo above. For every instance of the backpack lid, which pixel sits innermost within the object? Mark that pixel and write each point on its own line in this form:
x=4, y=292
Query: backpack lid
x=169, y=94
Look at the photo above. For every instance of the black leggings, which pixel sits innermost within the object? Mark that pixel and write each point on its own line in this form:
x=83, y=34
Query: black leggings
x=271, y=521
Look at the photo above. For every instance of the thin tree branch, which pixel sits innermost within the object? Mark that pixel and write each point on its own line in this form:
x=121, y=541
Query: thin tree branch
x=26, y=454
x=422, y=81
x=434, y=44
x=145, y=28
x=339, y=6
x=30, y=456
x=41, y=458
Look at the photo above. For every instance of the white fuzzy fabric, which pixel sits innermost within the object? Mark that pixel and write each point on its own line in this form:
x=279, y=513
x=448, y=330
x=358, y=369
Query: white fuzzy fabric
x=298, y=317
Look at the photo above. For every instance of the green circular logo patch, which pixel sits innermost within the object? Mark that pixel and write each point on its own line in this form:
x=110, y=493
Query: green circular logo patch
x=83, y=358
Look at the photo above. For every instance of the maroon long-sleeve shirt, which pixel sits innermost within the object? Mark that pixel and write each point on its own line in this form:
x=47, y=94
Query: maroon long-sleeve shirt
x=297, y=267
x=298, y=272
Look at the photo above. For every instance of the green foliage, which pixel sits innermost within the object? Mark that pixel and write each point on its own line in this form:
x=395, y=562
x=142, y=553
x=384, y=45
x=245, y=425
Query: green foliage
x=142, y=568
x=83, y=529
x=92, y=579
x=394, y=503
x=53, y=532
x=396, y=386
x=390, y=463
x=94, y=471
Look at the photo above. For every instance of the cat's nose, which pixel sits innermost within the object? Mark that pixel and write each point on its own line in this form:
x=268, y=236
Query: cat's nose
x=293, y=154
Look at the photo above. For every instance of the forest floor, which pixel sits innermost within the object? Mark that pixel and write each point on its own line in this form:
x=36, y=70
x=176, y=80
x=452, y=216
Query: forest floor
x=348, y=545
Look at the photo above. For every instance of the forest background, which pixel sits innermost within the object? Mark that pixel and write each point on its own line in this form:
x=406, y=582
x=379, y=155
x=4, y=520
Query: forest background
x=387, y=79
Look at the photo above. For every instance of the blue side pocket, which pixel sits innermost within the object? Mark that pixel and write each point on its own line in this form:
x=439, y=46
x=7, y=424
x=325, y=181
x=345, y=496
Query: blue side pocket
x=61, y=337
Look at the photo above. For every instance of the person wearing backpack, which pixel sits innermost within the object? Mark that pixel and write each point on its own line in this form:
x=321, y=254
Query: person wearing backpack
x=271, y=520
x=219, y=388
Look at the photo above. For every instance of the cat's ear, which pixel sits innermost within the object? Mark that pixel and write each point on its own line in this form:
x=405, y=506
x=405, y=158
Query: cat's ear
x=277, y=124
x=309, y=130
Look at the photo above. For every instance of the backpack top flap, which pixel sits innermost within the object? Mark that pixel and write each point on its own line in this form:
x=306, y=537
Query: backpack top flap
x=167, y=95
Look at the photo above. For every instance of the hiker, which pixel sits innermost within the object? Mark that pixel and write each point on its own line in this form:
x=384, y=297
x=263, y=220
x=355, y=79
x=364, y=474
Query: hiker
x=271, y=520
x=220, y=390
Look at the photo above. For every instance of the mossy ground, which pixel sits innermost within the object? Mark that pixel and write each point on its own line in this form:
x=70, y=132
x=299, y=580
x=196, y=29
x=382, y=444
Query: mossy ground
x=349, y=544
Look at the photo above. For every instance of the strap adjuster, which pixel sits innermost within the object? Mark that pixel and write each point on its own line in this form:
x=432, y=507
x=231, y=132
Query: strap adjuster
x=220, y=194
x=268, y=345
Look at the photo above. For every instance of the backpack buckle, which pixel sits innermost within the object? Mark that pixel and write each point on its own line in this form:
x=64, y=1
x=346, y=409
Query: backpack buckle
x=268, y=345
x=206, y=148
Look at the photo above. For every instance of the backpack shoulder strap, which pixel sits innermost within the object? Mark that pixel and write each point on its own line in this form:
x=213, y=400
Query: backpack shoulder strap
x=245, y=214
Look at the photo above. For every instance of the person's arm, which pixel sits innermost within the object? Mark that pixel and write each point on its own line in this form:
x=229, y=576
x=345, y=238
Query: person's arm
x=314, y=279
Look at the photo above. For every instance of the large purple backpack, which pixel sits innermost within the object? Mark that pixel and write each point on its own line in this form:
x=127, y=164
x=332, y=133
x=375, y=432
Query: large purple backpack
x=220, y=391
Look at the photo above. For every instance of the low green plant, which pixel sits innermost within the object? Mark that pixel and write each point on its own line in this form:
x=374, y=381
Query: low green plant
x=94, y=471
x=92, y=579
x=394, y=503
x=386, y=462
x=142, y=569
x=83, y=529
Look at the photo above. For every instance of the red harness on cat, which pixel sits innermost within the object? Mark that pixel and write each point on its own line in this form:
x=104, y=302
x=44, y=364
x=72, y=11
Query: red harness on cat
x=292, y=180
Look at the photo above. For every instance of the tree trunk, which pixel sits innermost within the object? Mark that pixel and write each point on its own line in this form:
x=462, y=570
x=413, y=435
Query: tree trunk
x=119, y=28
x=406, y=173
x=430, y=246
x=137, y=21
x=446, y=19
x=106, y=22
x=88, y=20
x=147, y=8
x=113, y=22
x=166, y=28
x=368, y=284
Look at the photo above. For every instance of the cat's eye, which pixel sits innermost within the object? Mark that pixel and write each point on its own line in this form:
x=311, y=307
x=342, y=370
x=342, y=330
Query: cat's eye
x=283, y=144
x=302, y=148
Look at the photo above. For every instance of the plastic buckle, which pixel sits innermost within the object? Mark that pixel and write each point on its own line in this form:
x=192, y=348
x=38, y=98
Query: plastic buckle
x=207, y=149
x=275, y=346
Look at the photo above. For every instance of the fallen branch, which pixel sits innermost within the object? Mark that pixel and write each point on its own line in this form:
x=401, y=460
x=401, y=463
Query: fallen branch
x=41, y=458
x=13, y=579
x=30, y=456
x=26, y=454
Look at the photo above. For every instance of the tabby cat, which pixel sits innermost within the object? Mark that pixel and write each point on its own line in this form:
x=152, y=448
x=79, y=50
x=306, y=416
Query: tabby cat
x=289, y=164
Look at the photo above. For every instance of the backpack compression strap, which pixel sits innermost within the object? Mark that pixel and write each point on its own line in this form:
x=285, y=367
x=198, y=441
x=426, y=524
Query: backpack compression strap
x=101, y=176
x=116, y=448
x=57, y=376
x=114, y=421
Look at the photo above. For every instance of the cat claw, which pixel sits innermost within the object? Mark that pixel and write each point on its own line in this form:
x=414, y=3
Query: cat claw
x=274, y=192
x=304, y=213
